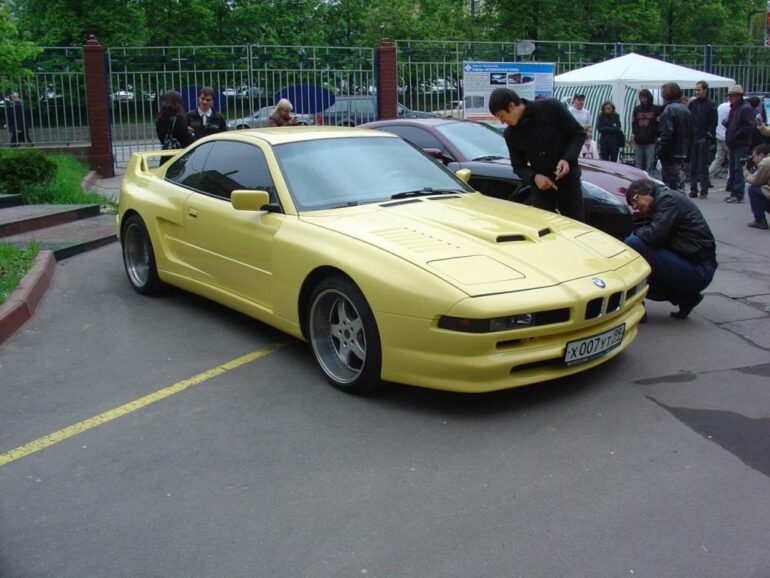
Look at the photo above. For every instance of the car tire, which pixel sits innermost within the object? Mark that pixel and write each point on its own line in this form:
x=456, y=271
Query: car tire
x=343, y=333
x=139, y=257
x=242, y=127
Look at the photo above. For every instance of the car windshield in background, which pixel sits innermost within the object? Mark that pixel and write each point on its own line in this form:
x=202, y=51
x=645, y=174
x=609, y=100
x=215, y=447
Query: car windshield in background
x=475, y=141
x=341, y=172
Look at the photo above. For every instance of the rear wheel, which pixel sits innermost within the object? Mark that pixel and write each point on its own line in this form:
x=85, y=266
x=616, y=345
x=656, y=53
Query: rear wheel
x=344, y=336
x=139, y=257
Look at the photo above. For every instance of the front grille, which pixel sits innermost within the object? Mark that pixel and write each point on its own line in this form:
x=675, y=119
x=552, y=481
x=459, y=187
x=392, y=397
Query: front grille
x=613, y=303
x=631, y=292
x=594, y=308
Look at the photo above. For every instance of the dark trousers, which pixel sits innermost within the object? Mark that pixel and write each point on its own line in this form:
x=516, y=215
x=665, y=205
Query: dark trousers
x=699, y=165
x=736, y=179
x=608, y=151
x=759, y=203
x=672, y=173
x=568, y=198
x=673, y=278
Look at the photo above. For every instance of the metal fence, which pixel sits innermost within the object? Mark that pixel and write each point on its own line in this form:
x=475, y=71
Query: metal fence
x=244, y=80
x=53, y=99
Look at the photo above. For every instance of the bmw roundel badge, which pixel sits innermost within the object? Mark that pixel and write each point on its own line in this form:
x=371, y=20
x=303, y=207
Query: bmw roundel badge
x=599, y=283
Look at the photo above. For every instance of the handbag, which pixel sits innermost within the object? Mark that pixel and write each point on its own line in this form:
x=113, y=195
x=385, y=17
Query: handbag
x=170, y=142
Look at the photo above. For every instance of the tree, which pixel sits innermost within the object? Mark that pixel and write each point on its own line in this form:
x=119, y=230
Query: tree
x=14, y=52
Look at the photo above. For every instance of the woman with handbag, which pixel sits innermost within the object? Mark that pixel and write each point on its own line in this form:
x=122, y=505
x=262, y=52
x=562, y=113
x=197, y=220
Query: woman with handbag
x=611, y=137
x=171, y=124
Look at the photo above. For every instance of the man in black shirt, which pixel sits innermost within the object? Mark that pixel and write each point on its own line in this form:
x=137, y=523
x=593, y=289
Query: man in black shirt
x=704, y=119
x=544, y=141
x=204, y=120
x=677, y=243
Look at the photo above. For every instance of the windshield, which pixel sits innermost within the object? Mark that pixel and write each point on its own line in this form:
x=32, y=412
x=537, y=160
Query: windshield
x=474, y=140
x=342, y=172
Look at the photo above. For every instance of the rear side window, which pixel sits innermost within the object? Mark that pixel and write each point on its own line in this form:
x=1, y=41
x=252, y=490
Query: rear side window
x=417, y=136
x=230, y=166
x=188, y=169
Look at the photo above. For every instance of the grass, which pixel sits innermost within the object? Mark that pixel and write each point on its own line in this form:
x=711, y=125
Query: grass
x=64, y=186
x=14, y=264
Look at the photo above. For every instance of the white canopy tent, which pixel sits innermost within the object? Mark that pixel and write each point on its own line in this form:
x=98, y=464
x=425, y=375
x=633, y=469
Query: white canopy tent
x=636, y=72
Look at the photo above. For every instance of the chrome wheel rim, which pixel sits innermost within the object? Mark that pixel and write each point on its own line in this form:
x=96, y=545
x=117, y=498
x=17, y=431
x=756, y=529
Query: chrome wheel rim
x=337, y=335
x=136, y=254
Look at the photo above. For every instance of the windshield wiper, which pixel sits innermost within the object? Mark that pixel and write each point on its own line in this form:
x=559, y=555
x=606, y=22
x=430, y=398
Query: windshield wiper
x=427, y=191
x=488, y=158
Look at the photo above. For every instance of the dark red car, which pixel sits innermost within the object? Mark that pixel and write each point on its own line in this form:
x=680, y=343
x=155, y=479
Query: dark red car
x=482, y=149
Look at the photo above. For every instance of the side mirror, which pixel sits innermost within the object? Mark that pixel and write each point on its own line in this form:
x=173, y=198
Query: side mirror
x=250, y=200
x=464, y=175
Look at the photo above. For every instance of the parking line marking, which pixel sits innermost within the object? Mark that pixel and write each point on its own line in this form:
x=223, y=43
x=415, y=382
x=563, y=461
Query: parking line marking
x=109, y=415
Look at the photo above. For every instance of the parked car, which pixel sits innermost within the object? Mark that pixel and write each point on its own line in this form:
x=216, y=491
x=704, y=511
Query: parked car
x=482, y=149
x=390, y=265
x=456, y=111
x=355, y=110
x=123, y=95
x=259, y=119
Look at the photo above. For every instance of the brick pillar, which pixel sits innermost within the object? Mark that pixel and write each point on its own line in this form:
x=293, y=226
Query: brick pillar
x=387, y=80
x=98, y=108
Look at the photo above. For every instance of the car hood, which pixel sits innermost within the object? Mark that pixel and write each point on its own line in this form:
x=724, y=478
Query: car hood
x=479, y=244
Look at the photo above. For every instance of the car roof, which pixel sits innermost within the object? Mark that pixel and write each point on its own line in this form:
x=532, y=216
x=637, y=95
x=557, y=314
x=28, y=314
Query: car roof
x=287, y=134
x=433, y=121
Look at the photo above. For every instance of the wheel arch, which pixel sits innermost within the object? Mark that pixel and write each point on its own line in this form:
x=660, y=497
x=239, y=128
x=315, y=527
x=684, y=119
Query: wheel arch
x=313, y=279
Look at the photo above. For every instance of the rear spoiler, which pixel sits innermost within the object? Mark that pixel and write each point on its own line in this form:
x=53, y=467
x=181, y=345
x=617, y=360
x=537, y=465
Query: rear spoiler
x=139, y=164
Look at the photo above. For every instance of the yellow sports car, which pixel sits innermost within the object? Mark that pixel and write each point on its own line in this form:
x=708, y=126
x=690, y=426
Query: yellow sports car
x=391, y=266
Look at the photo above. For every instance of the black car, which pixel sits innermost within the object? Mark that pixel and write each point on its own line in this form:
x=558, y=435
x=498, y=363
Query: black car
x=359, y=109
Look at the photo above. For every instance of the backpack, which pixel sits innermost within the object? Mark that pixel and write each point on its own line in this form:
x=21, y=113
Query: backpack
x=169, y=141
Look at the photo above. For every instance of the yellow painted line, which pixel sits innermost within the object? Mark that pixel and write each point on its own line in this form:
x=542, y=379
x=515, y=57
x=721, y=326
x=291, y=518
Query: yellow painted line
x=85, y=425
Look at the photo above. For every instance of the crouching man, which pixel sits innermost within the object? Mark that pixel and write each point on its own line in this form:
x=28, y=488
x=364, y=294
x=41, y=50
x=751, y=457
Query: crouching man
x=677, y=243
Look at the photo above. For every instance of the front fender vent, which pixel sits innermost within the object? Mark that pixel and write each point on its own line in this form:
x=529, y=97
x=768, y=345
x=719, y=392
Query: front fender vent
x=544, y=232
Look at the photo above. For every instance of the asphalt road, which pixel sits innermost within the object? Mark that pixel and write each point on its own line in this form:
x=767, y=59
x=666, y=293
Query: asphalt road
x=655, y=464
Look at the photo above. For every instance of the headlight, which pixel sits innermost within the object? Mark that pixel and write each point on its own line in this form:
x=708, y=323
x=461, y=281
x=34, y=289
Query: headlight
x=507, y=323
x=601, y=194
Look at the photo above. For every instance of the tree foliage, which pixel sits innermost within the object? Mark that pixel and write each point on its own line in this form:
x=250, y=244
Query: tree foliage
x=365, y=22
x=14, y=52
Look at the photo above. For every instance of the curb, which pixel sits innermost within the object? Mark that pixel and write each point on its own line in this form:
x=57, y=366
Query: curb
x=89, y=181
x=25, y=298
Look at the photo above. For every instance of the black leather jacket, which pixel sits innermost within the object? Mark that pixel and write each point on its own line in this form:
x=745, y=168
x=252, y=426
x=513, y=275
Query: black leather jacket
x=677, y=224
x=675, y=127
x=216, y=124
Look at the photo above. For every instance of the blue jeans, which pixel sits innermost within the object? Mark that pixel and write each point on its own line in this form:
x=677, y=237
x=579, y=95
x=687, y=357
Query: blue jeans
x=644, y=157
x=738, y=187
x=759, y=203
x=673, y=278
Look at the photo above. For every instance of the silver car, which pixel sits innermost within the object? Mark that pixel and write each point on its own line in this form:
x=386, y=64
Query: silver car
x=259, y=119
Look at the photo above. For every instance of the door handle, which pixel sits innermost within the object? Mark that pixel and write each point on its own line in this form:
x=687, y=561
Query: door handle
x=192, y=212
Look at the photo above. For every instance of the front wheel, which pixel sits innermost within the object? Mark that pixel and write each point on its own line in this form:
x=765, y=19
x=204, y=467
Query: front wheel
x=139, y=257
x=344, y=336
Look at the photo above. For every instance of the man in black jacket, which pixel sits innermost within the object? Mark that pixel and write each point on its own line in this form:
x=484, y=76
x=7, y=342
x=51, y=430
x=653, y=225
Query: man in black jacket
x=741, y=124
x=704, y=118
x=673, y=146
x=677, y=243
x=644, y=126
x=204, y=120
x=544, y=141
x=17, y=124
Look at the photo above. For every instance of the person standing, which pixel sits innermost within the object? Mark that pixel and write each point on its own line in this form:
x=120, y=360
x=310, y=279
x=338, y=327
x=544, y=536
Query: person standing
x=589, y=150
x=677, y=243
x=759, y=185
x=704, y=120
x=644, y=127
x=721, y=153
x=611, y=137
x=204, y=120
x=741, y=124
x=578, y=110
x=281, y=116
x=673, y=144
x=171, y=124
x=17, y=124
x=543, y=141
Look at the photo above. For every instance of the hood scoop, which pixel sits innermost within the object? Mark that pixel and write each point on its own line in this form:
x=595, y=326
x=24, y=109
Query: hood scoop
x=518, y=237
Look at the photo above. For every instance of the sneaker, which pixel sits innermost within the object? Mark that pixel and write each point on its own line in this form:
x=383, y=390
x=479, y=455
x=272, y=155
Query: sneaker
x=757, y=225
x=733, y=200
x=686, y=307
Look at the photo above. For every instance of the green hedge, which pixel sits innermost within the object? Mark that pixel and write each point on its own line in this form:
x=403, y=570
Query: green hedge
x=22, y=169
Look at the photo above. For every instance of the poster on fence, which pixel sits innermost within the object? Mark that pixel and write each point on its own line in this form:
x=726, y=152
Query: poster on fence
x=530, y=80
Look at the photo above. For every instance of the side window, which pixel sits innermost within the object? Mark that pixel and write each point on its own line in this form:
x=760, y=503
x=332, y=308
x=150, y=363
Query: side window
x=233, y=165
x=417, y=136
x=363, y=106
x=187, y=170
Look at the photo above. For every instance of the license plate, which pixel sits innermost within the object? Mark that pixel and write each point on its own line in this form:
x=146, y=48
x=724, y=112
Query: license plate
x=583, y=350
